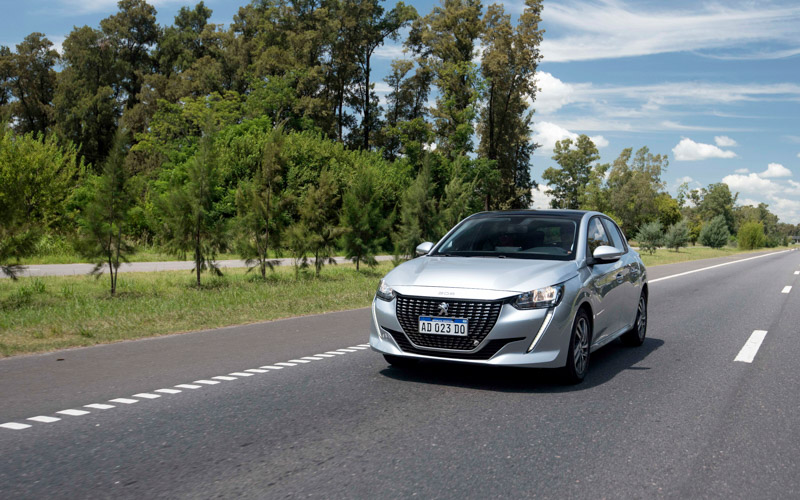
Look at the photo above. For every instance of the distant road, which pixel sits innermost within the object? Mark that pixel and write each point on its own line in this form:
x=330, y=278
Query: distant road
x=146, y=267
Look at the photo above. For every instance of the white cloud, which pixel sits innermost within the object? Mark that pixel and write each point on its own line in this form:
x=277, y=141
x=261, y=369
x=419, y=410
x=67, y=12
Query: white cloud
x=541, y=196
x=390, y=51
x=742, y=170
x=73, y=7
x=613, y=28
x=798, y=155
x=724, y=141
x=688, y=150
x=775, y=170
x=553, y=93
x=747, y=202
x=751, y=183
x=546, y=134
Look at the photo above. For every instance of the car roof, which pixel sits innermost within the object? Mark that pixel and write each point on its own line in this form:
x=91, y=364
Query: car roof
x=572, y=214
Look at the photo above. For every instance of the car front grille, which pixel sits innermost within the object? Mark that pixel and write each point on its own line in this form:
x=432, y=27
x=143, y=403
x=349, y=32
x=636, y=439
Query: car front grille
x=482, y=316
x=489, y=350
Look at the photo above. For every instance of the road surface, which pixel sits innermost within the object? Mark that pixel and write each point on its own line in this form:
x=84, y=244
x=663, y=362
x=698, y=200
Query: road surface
x=707, y=407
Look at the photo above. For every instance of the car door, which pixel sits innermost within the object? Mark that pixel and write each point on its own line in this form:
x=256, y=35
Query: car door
x=606, y=279
x=629, y=269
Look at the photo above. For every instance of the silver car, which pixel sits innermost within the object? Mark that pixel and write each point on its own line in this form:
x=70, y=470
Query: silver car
x=531, y=288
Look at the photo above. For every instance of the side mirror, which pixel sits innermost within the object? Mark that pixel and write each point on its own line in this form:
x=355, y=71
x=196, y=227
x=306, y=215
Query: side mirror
x=424, y=248
x=606, y=254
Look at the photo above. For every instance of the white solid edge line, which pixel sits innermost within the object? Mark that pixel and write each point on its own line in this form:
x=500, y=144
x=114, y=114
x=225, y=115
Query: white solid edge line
x=748, y=352
x=786, y=289
x=168, y=391
x=715, y=266
x=14, y=426
x=125, y=401
x=73, y=413
x=99, y=406
x=43, y=419
x=146, y=395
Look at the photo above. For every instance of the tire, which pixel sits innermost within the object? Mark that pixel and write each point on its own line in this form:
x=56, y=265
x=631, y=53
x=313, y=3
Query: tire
x=636, y=335
x=399, y=361
x=579, y=347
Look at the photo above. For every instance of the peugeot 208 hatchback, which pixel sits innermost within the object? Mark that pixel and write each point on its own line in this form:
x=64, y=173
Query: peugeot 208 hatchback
x=532, y=288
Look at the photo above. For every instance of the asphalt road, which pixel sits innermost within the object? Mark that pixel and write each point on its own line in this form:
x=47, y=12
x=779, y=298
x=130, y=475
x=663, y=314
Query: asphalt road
x=677, y=417
x=142, y=267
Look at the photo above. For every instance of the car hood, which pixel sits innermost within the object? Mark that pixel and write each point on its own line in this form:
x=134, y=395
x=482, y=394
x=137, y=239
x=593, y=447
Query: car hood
x=486, y=273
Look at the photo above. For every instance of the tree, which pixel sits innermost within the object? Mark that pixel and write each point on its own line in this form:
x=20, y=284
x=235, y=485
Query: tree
x=650, y=236
x=715, y=233
x=668, y=210
x=191, y=219
x=508, y=64
x=567, y=182
x=634, y=185
x=260, y=202
x=444, y=41
x=318, y=214
x=418, y=213
x=677, y=236
x=31, y=80
x=751, y=236
x=363, y=219
x=104, y=221
x=716, y=200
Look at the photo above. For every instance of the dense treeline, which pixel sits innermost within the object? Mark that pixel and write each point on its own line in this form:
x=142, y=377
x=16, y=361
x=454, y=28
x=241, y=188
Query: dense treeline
x=267, y=136
x=631, y=191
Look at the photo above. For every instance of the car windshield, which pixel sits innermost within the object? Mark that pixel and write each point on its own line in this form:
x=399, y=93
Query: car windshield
x=512, y=236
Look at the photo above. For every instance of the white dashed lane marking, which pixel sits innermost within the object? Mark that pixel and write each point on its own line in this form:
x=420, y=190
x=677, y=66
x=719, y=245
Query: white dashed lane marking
x=73, y=413
x=748, y=352
x=44, y=419
x=146, y=395
x=197, y=384
x=786, y=289
x=797, y=272
x=124, y=401
x=14, y=426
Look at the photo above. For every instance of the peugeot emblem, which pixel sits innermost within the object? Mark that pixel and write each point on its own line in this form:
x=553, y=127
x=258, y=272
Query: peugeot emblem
x=443, y=308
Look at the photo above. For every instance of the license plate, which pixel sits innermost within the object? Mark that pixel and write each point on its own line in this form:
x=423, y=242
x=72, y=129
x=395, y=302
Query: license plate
x=444, y=326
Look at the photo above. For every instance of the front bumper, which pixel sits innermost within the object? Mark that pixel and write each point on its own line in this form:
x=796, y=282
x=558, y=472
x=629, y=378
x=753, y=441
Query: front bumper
x=507, y=343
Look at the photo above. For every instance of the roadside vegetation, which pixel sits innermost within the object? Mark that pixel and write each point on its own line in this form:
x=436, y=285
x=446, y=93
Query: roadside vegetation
x=43, y=314
x=668, y=256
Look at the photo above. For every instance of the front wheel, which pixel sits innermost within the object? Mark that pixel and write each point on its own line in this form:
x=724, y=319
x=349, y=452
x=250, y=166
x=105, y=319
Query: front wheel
x=578, y=354
x=399, y=361
x=635, y=336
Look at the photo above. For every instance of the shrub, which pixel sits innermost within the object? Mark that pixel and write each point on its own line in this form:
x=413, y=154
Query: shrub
x=751, y=236
x=677, y=235
x=715, y=233
x=650, y=236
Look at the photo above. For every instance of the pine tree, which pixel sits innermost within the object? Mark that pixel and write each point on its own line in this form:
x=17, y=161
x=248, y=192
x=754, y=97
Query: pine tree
x=318, y=215
x=363, y=220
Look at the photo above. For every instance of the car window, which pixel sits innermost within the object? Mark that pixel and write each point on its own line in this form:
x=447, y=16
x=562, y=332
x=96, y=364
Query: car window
x=512, y=236
x=616, y=237
x=596, y=235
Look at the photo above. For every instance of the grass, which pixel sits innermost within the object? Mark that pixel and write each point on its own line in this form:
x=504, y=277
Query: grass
x=146, y=255
x=665, y=256
x=48, y=313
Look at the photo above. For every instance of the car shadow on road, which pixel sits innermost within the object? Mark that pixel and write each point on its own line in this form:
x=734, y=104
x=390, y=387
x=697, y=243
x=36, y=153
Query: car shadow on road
x=605, y=364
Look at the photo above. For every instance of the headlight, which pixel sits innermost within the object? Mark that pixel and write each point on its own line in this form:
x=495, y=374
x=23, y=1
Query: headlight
x=541, y=298
x=384, y=292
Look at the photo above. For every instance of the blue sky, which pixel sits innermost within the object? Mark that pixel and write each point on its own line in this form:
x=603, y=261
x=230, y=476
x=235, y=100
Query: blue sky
x=714, y=85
